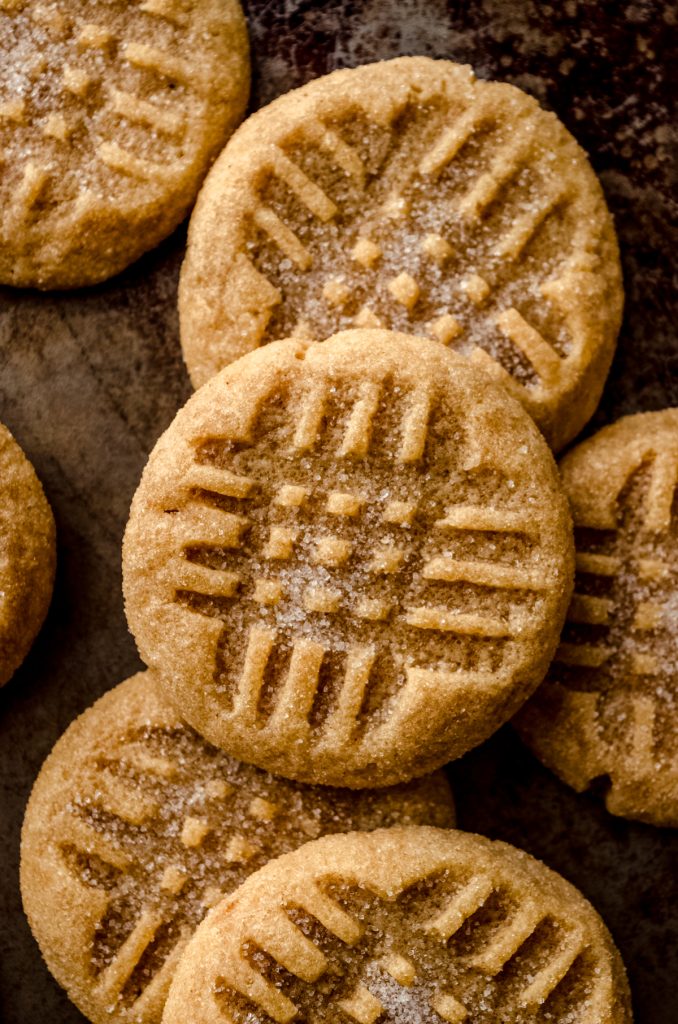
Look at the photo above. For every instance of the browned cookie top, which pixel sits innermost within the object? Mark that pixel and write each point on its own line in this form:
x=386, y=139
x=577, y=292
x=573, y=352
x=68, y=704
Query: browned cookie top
x=408, y=195
x=349, y=562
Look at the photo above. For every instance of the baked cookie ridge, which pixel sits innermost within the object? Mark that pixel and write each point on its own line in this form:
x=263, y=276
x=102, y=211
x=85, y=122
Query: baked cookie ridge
x=607, y=714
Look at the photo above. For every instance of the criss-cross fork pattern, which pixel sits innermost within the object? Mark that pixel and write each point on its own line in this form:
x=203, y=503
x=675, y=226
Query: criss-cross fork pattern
x=354, y=279
x=118, y=829
x=525, y=955
x=281, y=558
x=626, y=642
x=84, y=89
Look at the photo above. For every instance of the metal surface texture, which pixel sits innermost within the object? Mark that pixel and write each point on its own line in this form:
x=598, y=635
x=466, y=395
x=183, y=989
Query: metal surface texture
x=89, y=379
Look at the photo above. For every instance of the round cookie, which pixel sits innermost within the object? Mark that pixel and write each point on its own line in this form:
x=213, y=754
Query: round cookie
x=349, y=562
x=27, y=555
x=110, y=115
x=608, y=710
x=415, y=925
x=408, y=195
x=136, y=826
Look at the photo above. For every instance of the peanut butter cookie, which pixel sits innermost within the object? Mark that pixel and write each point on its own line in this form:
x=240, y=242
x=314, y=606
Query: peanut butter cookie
x=608, y=711
x=402, y=926
x=136, y=826
x=408, y=195
x=110, y=115
x=27, y=555
x=349, y=562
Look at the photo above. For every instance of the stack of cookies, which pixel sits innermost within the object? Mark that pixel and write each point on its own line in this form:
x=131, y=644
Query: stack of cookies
x=350, y=558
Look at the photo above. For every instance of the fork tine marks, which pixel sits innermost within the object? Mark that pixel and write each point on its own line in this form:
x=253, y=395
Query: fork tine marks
x=205, y=526
x=307, y=191
x=342, y=153
x=115, y=976
x=449, y=920
x=310, y=420
x=592, y=611
x=295, y=697
x=480, y=517
x=415, y=426
x=330, y=913
x=597, y=565
x=642, y=735
x=201, y=579
x=77, y=832
x=485, y=574
x=511, y=245
x=583, y=655
x=173, y=11
x=505, y=165
x=33, y=183
x=464, y=623
x=220, y=481
x=359, y=663
x=281, y=235
x=149, y=1005
x=451, y=142
x=264, y=994
x=356, y=440
x=289, y=947
x=260, y=645
x=130, y=804
x=139, y=111
x=178, y=69
x=121, y=160
x=524, y=336
x=544, y=982
x=508, y=940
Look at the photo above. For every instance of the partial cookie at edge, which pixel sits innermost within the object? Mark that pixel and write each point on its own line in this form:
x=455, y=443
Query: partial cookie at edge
x=110, y=116
x=608, y=710
x=27, y=555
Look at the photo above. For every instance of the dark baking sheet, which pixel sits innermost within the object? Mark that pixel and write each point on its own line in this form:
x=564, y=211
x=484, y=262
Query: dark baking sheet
x=89, y=379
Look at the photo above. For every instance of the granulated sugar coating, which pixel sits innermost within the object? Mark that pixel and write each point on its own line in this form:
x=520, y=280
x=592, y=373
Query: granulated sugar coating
x=110, y=114
x=402, y=926
x=136, y=827
x=410, y=196
x=349, y=562
x=27, y=555
x=608, y=712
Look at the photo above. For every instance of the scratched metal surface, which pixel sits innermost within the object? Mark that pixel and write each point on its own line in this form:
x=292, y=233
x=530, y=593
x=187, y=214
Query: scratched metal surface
x=89, y=379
